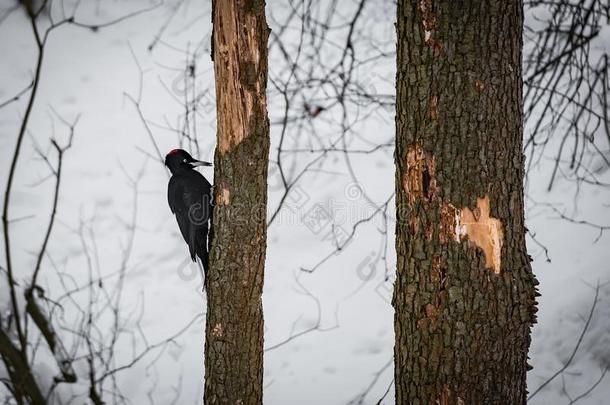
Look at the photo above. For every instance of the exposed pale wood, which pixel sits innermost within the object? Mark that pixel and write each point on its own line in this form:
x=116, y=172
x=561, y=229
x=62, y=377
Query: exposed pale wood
x=234, y=324
x=464, y=294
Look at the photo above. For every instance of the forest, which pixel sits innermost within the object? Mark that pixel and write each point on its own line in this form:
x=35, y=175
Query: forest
x=305, y=202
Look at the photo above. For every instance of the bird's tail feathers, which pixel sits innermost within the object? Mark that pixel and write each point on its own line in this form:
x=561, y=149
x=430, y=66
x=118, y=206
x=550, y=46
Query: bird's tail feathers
x=202, y=252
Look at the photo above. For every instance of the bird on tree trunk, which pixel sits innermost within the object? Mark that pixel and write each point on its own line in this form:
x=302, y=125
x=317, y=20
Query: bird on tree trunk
x=190, y=198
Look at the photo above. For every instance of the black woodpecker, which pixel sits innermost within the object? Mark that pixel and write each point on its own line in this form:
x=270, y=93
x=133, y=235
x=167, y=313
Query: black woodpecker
x=190, y=198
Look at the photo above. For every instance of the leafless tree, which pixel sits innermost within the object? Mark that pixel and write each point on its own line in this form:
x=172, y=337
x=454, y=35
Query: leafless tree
x=61, y=331
x=326, y=82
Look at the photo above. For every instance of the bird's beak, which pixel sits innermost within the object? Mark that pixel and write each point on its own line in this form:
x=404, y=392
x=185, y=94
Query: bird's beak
x=196, y=163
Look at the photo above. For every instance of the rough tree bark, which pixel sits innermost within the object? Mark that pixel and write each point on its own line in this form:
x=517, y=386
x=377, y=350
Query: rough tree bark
x=234, y=327
x=464, y=296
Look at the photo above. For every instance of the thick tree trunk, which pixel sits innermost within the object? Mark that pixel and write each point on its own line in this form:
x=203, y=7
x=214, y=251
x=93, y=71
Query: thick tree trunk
x=234, y=328
x=465, y=293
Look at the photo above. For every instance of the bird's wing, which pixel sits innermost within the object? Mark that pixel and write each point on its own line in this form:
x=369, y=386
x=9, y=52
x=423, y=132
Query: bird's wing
x=187, y=200
x=175, y=191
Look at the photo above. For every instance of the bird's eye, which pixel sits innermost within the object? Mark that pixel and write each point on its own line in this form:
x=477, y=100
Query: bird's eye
x=184, y=161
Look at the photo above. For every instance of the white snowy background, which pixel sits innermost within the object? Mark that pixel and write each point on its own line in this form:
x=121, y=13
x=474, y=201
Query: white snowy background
x=345, y=302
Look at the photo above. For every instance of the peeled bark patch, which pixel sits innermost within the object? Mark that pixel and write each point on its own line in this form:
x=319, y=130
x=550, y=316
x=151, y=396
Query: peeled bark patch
x=450, y=218
x=428, y=18
x=419, y=180
x=218, y=330
x=448, y=397
x=223, y=196
x=240, y=72
x=419, y=183
x=484, y=231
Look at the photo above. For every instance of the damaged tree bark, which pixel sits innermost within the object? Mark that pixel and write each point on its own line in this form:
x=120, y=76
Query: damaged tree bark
x=234, y=327
x=464, y=296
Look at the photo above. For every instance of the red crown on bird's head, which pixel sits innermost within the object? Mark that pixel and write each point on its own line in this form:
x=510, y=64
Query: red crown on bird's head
x=173, y=152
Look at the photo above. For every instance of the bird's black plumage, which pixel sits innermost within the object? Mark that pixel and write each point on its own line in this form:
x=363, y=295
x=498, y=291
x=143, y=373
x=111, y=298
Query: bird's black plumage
x=190, y=198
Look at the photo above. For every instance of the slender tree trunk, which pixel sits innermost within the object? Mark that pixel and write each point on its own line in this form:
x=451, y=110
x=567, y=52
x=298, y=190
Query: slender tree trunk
x=465, y=293
x=234, y=329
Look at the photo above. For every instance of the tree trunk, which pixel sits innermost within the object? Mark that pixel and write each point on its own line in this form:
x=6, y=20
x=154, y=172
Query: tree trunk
x=464, y=296
x=234, y=328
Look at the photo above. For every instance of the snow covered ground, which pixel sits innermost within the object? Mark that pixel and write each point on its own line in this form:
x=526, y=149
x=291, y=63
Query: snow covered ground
x=343, y=303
